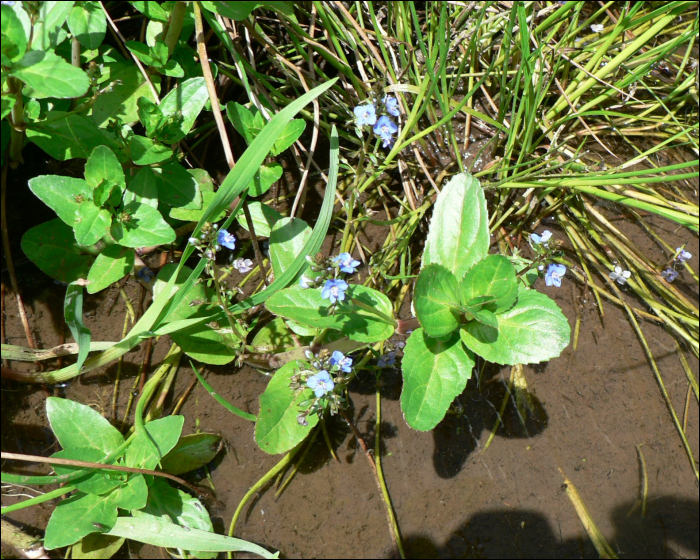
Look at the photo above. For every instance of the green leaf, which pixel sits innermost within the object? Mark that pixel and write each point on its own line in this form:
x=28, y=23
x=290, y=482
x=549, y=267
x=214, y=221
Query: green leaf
x=145, y=228
x=133, y=494
x=14, y=38
x=177, y=188
x=87, y=22
x=206, y=187
x=495, y=277
x=436, y=301
x=277, y=429
x=47, y=30
x=111, y=265
x=67, y=136
x=204, y=344
x=50, y=76
x=150, y=115
x=164, y=432
x=191, y=453
x=458, y=236
x=62, y=194
x=143, y=189
x=145, y=151
x=52, y=247
x=273, y=338
x=187, y=100
x=96, y=546
x=142, y=52
x=152, y=10
x=264, y=178
x=169, y=503
x=91, y=223
x=236, y=11
x=103, y=165
x=158, y=531
x=309, y=308
x=78, y=516
x=8, y=102
x=264, y=218
x=287, y=240
x=73, y=315
x=434, y=373
x=533, y=330
x=77, y=425
x=94, y=482
x=290, y=135
x=243, y=121
x=127, y=86
x=483, y=316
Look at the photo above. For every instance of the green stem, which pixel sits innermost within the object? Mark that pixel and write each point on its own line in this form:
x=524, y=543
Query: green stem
x=39, y=499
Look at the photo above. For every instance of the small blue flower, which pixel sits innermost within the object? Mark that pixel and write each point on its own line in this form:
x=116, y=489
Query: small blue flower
x=341, y=360
x=385, y=129
x=555, y=272
x=321, y=383
x=225, y=239
x=305, y=282
x=346, y=263
x=541, y=239
x=392, y=105
x=669, y=274
x=683, y=255
x=243, y=265
x=387, y=360
x=334, y=290
x=145, y=274
x=620, y=276
x=365, y=114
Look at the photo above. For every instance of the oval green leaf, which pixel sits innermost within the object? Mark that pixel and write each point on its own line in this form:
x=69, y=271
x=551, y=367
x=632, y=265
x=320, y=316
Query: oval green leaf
x=434, y=373
x=495, y=277
x=287, y=240
x=458, y=236
x=111, y=265
x=309, y=308
x=437, y=301
x=50, y=76
x=277, y=429
x=533, y=330
x=61, y=194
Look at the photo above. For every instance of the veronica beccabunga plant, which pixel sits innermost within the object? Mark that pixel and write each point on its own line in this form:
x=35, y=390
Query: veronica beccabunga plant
x=469, y=302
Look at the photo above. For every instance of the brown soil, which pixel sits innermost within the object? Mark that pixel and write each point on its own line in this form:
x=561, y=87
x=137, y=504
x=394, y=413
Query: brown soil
x=593, y=407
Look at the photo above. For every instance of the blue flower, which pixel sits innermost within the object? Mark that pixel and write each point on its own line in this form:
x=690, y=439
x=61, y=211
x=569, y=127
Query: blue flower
x=541, y=239
x=334, y=290
x=321, y=383
x=305, y=282
x=365, y=114
x=341, y=360
x=387, y=360
x=669, y=274
x=145, y=274
x=385, y=129
x=392, y=105
x=346, y=263
x=555, y=272
x=620, y=276
x=225, y=239
x=243, y=265
x=683, y=255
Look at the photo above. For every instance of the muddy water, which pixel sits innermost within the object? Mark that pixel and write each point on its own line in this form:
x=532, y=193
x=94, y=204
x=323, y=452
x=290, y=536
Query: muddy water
x=453, y=498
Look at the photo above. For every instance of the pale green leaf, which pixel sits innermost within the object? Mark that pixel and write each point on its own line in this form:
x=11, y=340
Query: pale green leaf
x=287, y=240
x=78, y=425
x=87, y=22
x=277, y=429
x=495, y=277
x=78, y=516
x=458, y=236
x=91, y=223
x=434, y=373
x=436, y=301
x=50, y=76
x=533, y=330
x=264, y=218
x=62, y=194
x=111, y=265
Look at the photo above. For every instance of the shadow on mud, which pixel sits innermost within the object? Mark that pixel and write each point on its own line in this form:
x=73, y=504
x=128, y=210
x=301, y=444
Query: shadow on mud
x=669, y=530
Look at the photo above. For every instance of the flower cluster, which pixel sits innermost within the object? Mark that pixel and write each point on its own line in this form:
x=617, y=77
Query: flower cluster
x=326, y=375
x=546, y=249
x=326, y=272
x=210, y=240
x=383, y=126
x=681, y=256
